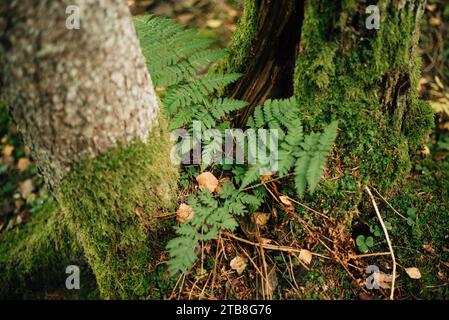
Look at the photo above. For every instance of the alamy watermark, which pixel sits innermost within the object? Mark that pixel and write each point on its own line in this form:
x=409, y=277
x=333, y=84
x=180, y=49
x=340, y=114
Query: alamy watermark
x=73, y=20
x=72, y=282
x=373, y=19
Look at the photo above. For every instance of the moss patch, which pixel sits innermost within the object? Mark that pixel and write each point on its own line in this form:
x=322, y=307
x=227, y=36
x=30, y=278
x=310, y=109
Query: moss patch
x=242, y=40
x=33, y=258
x=422, y=241
x=110, y=203
x=367, y=80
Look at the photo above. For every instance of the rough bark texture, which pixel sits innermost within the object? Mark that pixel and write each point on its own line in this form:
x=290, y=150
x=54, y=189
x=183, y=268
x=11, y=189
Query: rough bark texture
x=73, y=93
x=269, y=32
x=270, y=71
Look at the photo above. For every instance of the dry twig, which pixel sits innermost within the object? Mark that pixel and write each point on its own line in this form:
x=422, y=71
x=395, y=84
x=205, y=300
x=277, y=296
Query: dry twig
x=384, y=228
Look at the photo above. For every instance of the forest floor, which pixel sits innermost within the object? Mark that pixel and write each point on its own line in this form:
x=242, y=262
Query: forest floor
x=417, y=216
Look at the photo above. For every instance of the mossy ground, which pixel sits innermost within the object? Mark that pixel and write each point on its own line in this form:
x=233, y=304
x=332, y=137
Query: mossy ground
x=34, y=257
x=240, y=46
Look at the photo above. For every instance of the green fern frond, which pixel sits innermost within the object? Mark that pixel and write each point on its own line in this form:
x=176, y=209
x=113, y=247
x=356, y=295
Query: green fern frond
x=210, y=215
x=222, y=106
x=197, y=91
x=175, y=57
x=306, y=154
x=301, y=167
x=251, y=175
x=276, y=114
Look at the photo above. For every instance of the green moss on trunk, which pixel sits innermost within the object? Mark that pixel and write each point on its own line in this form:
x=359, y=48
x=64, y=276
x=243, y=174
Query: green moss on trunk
x=367, y=79
x=110, y=203
x=242, y=40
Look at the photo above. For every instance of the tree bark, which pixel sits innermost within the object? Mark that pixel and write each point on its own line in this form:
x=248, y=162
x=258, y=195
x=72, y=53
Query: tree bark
x=269, y=73
x=74, y=93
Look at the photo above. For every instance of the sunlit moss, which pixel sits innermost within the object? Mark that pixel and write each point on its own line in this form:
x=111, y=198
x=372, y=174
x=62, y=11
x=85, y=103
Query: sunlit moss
x=241, y=43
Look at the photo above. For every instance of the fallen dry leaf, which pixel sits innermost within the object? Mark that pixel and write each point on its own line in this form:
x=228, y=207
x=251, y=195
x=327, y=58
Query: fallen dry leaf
x=184, y=213
x=425, y=151
x=139, y=211
x=214, y=23
x=26, y=188
x=23, y=164
x=18, y=203
x=184, y=18
x=434, y=21
x=305, y=256
x=238, y=264
x=265, y=241
x=7, y=150
x=413, y=273
x=286, y=200
x=429, y=248
x=442, y=276
x=261, y=218
x=207, y=181
x=272, y=284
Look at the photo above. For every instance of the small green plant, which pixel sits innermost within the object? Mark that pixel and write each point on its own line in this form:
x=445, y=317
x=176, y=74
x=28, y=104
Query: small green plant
x=377, y=231
x=305, y=154
x=364, y=243
x=211, y=213
x=411, y=216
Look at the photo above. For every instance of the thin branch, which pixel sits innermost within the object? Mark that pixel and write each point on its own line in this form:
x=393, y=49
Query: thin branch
x=273, y=247
x=384, y=228
x=392, y=208
x=377, y=254
x=310, y=209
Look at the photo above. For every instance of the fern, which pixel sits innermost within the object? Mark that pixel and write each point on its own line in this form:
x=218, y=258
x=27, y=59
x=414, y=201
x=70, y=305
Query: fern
x=306, y=155
x=196, y=91
x=210, y=215
x=177, y=60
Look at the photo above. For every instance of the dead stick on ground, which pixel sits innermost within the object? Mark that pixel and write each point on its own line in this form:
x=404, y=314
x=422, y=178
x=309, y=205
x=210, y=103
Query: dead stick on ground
x=310, y=209
x=392, y=208
x=265, y=268
x=273, y=247
x=217, y=254
x=388, y=240
x=372, y=255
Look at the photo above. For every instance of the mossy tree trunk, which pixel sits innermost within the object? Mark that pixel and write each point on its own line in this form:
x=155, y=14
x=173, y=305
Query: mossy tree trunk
x=365, y=78
x=84, y=103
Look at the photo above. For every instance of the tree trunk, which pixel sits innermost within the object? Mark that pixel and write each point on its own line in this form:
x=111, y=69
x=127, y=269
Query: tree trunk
x=365, y=78
x=269, y=73
x=74, y=93
x=84, y=103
